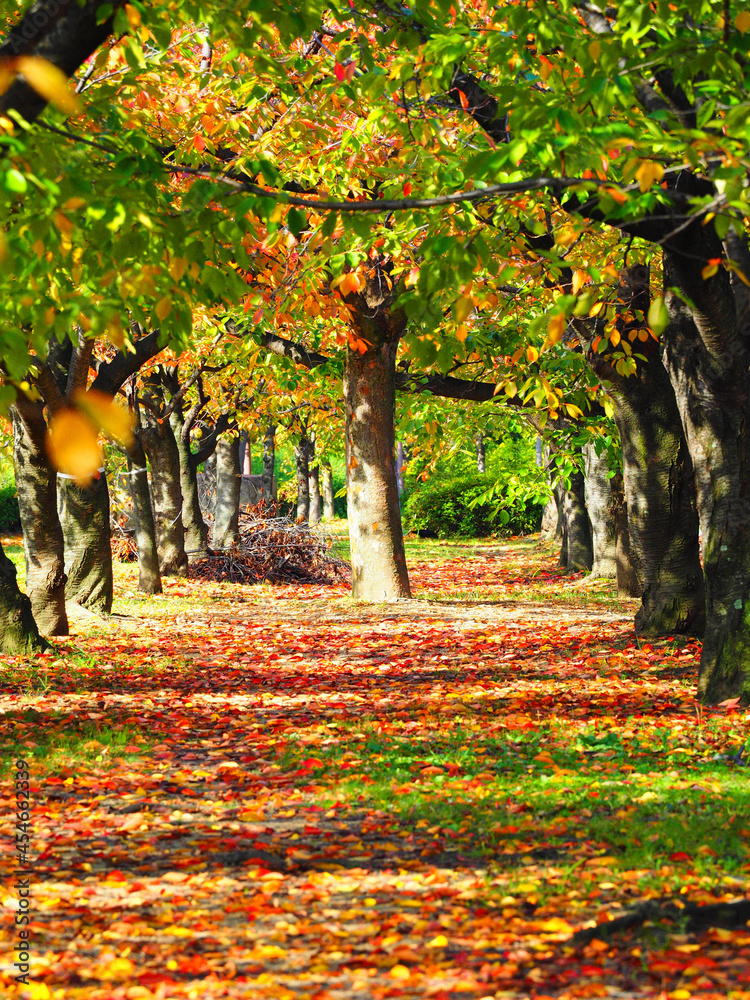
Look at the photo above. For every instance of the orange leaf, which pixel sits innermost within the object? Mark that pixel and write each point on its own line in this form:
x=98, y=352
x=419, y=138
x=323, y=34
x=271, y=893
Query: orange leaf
x=72, y=445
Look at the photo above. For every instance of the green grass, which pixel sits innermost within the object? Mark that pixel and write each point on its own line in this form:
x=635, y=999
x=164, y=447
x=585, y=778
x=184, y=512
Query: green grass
x=53, y=741
x=543, y=807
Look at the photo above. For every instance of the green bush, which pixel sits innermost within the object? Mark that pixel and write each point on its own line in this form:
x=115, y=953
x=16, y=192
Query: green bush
x=468, y=507
x=10, y=518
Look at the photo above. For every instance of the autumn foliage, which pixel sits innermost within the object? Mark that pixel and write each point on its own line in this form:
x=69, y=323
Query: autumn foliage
x=266, y=791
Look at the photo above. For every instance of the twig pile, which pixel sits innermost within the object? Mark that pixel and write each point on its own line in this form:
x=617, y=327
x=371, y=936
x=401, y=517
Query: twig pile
x=275, y=549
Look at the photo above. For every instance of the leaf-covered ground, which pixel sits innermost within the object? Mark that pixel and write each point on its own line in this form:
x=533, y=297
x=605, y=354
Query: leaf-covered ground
x=271, y=792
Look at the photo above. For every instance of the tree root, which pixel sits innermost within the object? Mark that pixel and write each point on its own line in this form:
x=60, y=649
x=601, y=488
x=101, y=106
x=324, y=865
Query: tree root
x=687, y=918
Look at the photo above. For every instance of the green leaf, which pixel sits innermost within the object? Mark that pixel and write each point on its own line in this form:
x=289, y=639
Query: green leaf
x=15, y=181
x=658, y=317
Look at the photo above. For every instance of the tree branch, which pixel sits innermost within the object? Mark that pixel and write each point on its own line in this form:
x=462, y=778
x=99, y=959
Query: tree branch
x=64, y=33
x=112, y=375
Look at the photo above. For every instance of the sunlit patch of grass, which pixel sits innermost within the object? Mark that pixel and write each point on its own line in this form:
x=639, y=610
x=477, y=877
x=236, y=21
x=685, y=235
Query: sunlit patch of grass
x=642, y=810
x=14, y=551
x=52, y=741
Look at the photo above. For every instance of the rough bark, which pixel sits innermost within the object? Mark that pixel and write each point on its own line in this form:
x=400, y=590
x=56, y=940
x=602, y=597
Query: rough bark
x=576, y=552
x=160, y=446
x=480, y=451
x=302, y=467
x=228, y=482
x=196, y=529
x=328, y=497
x=269, y=451
x=551, y=523
x=707, y=353
x=18, y=630
x=602, y=508
x=628, y=584
x=315, y=497
x=400, y=464
x=84, y=516
x=149, y=577
x=658, y=479
x=36, y=484
x=379, y=570
x=65, y=33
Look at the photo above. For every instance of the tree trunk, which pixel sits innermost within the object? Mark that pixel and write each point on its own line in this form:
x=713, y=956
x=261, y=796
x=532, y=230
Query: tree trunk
x=576, y=546
x=195, y=527
x=601, y=507
x=377, y=543
x=551, y=523
x=269, y=455
x=228, y=481
x=628, y=584
x=481, y=458
x=302, y=460
x=400, y=463
x=84, y=516
x=36, y=484
x=658, y=481
x=149, y=577
x=160, y=447
x=706, y=353
x=315, y=498
x=18, y=630
x=247, y=457
x=328, y=498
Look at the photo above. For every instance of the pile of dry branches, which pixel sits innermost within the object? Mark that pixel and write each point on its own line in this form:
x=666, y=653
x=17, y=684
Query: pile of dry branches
x=275, y=549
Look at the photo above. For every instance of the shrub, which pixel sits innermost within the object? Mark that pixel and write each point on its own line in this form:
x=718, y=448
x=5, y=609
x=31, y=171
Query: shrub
x=467, y=507
x=10, y=518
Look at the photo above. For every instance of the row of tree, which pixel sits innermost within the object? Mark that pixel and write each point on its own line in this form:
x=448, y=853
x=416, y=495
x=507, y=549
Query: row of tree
x=577, y=237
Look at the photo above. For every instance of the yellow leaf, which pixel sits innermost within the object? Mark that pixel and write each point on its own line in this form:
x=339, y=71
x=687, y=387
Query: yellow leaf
x=177, y=267
x=38, y=991
x=648, y=172
x=555, y=328
x=709, y=271
x=555, y=925
x=399, y=972
x=72, y=445
x=573, y=410
x=614, y=338
x=579, y=277
x=462, y=308
x=742, y=22
x=595, y=50
x=164, y=307
x=113, y=418
x=511, y=389
x=49, y=82
x=441, y=941
x=133, y=15
x=532, y=353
